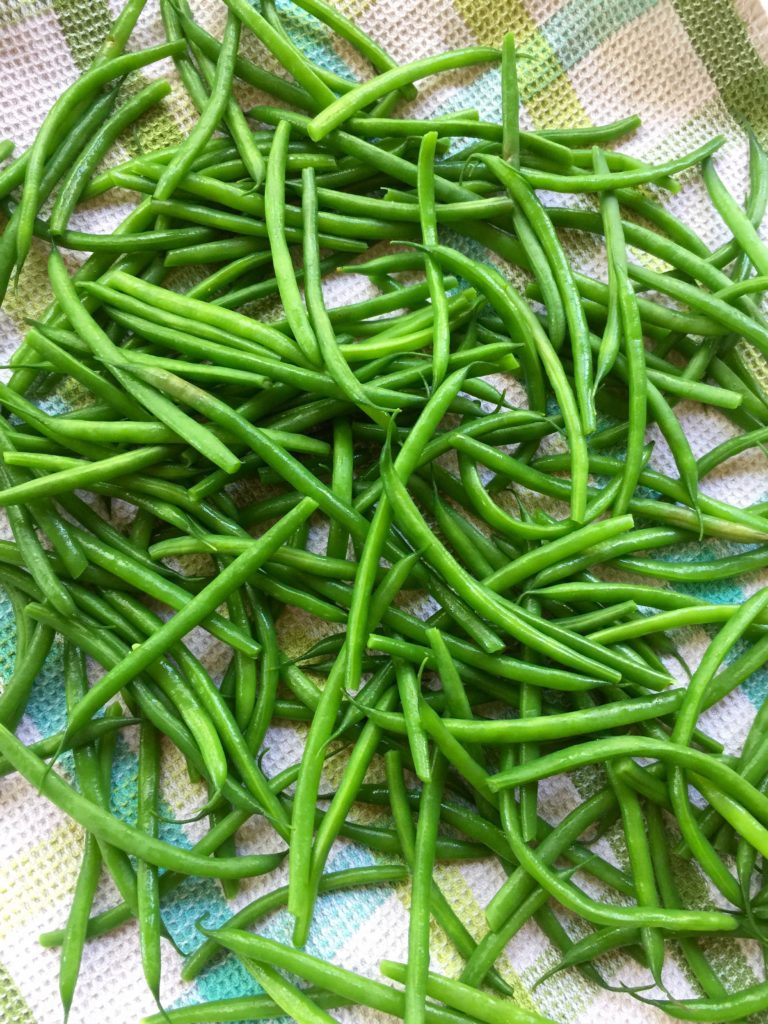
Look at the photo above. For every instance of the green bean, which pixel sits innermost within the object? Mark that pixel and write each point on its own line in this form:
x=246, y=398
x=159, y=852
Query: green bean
x=208, y=706
x=13, y=174
x=286, y=404
x=288, y=996
x=214, y=109
x=681, y=733
x=653, y=315
x=188, y=72
x=577, y=325
x=126, y=837
x=519, y=885
x=679, y=255
x=480, y=596
x=389, y=163
x=695, y=391
x=553, y=551
x=189, y=616
x=601, y=617
x=736, y=1006
x=593, y=134
x=89, y=116
x=98, y=341
x=467, y=999
x=207, y=373
x=441, y=338
x=597, y=943
x=147, y=241
x=724, y=314
x=139, y=218
x=698, y=572
x=343, y=107
x=399, y=803
x=111, y=538
x=142, y=527
x=670, y=489
x=81, y=122
x=318, y=322
x=93, y=768
x=545, y=278
x=396, y=210
x=627, y=315
x=234, y=197
x=83, y=88
x=730, y=448
x=346, y=673
x=263, y=905
x=235, y=119
x=74, y=183
x=469, y=656
x=134, y=431
x=338, y=83
x=55, y=529
x=342, y=484
x=245, y=667
x=147, y=880
x=736, y=219
x=510, y=102
x=241, y=327
x=621, y=179
x=216, y=252
x=108, y=650
x=410, y=296
x=74, y=934
x=227, y=274
x=620, y=746
x=639, y=852
x=237, y=1008
x=34, y=558
x=356, y=36
x=246, y=69
x=696, y=961
x=76, y=474
x=347, y=670
x=269, y=286
x=28, y=661
x=456, y=754
x=423, y=864
x=654, y=597
x=601, y=913
x=408, y=687
x=44, y=341
x=673, y=619
x=547, y=727
x=260, y=363
x=333, y=820
x=450, y=679
x=274, y=204
x=306, y=561
x=318, y=93
x=460, y=534
x=519, y=318
x=306, y=691
x=104, y=922
x=738, y=288
x=272, y=453
x=341, y=982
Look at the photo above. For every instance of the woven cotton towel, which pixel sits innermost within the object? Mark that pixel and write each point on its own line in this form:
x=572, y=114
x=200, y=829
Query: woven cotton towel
x=690, y=68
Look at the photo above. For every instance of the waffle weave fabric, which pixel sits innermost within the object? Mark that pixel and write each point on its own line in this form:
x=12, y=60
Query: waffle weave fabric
x=691, y=69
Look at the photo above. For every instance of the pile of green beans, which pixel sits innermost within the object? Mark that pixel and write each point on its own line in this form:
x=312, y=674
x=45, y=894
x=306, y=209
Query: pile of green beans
x=358, y=464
